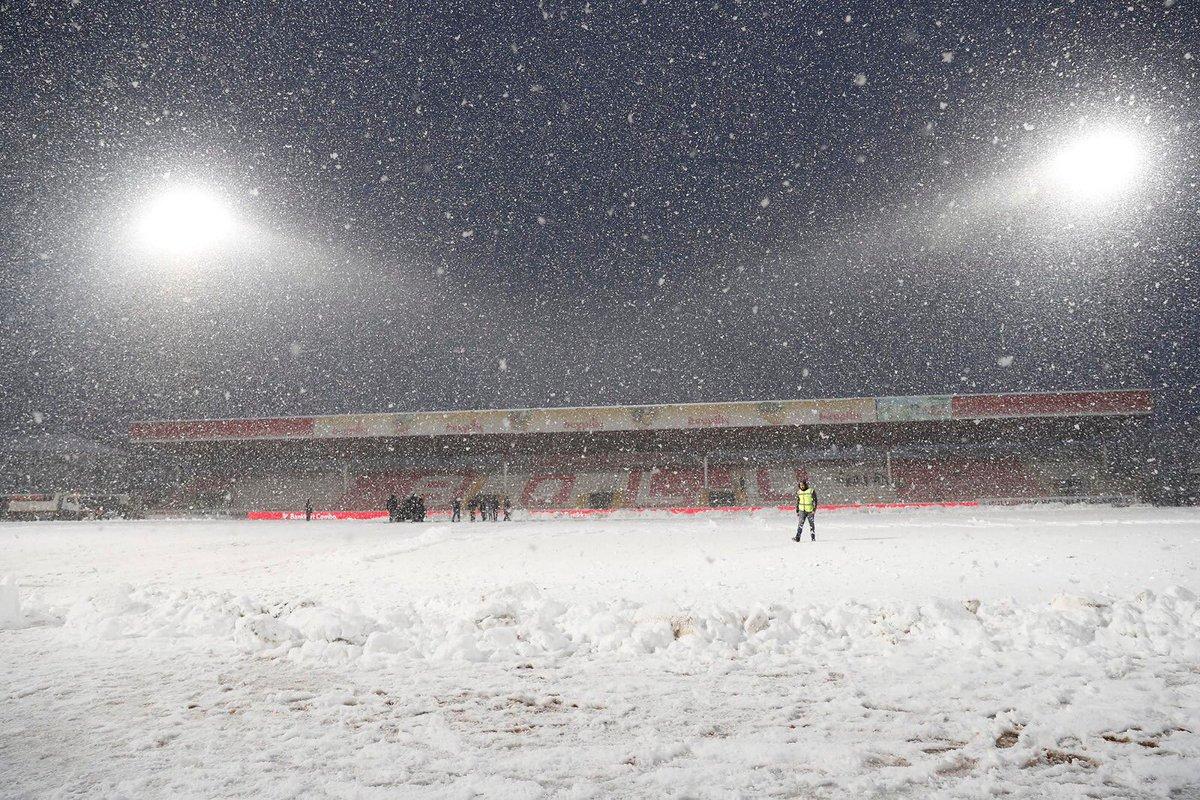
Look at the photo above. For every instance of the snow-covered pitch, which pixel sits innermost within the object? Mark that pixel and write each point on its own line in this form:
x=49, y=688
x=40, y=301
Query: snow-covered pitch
x=960, y=653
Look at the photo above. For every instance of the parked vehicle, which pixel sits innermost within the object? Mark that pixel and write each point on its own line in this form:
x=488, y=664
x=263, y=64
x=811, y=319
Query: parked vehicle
x=69, y=506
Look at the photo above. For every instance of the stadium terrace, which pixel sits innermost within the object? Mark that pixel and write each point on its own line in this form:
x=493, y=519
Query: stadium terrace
x=942, y=449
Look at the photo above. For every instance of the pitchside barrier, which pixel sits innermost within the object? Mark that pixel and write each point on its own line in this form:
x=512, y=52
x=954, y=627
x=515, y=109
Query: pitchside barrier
x=567, y=513
x=1095, y=500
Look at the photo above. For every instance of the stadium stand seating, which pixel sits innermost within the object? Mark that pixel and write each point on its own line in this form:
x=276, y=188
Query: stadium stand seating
x=656, y=482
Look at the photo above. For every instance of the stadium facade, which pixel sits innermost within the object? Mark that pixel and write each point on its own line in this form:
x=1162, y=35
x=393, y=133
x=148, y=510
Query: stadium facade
x=863, y=450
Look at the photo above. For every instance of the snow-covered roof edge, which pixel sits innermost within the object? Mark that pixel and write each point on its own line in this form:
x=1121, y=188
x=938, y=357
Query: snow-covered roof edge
x=665, y=416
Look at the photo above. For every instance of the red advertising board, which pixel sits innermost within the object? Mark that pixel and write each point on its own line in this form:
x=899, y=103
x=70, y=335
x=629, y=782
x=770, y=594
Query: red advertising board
x=986, y=406
x=209, y=429
x=538, y=513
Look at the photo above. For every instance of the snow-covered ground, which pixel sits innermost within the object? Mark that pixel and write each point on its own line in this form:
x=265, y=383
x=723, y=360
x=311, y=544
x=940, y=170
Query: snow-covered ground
x=957, y=653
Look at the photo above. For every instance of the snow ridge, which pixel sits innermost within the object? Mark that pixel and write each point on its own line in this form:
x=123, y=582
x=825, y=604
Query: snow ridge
x=518, y=622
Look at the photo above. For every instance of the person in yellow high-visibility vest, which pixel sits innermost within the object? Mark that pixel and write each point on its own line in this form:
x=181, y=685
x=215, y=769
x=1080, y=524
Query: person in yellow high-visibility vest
x=806, y=509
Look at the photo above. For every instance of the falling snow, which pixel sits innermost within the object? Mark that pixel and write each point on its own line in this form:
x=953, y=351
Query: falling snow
x=301, y=226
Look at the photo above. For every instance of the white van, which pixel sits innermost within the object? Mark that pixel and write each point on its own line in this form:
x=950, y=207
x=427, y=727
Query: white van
x=66, y=505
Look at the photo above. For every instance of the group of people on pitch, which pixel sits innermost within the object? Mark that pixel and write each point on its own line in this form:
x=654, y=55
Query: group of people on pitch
x=413, y=508
x=410, y=509
x=486, y=506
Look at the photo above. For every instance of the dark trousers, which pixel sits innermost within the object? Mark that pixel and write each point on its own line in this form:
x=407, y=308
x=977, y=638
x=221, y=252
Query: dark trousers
x=455, y=514
x=812, y=525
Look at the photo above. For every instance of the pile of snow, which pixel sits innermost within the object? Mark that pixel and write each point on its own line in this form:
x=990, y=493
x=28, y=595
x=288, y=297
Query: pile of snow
x=954, y=654
x=519, y=623
x=10, y=604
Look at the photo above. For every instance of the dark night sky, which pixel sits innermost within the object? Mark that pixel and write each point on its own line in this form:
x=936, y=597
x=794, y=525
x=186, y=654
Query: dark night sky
x=594, y=203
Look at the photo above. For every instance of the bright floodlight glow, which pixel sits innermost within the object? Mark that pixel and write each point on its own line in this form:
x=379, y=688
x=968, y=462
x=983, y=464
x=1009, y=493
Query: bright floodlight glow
x=184, y=221
x=1097, y=166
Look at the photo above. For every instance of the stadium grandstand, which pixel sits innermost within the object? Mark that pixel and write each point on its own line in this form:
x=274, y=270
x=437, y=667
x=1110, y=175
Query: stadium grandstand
x=1084, y=445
